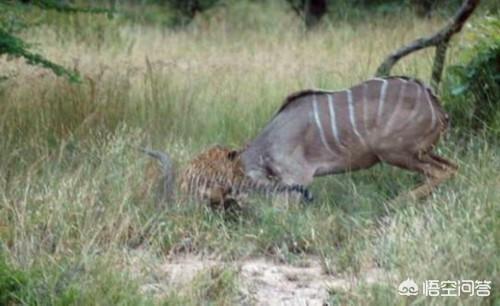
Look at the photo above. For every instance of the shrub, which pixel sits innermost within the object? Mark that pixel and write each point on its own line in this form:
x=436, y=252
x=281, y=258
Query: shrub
x=473, y=88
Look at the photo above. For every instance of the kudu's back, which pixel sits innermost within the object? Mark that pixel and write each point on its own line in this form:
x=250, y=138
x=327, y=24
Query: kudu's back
x=397, y=120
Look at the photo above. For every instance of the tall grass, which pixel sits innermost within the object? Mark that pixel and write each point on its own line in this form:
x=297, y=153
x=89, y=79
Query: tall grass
x=76, y=199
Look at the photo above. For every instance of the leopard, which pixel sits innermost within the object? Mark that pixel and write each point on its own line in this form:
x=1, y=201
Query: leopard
x=214, y=176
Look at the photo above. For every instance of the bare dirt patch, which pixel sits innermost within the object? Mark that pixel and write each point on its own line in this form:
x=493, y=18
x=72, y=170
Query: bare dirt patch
x=263, y=281
x=282, y=284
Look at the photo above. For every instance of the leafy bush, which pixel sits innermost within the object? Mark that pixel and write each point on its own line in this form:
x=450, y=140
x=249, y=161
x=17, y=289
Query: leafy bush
x=474, y=87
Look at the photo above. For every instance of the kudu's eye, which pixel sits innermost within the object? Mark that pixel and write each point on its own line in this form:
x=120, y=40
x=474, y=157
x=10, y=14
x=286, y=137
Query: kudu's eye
x=270, y=173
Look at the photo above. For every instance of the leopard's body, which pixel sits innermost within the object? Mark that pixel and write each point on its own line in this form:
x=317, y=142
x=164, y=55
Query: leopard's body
x=214, y=176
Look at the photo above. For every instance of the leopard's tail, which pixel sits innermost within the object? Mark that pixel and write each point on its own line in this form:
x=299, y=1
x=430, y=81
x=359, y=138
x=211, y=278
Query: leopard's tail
x=167, y=182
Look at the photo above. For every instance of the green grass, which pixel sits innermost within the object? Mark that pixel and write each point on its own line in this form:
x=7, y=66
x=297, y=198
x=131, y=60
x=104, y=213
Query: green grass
x=76, y=200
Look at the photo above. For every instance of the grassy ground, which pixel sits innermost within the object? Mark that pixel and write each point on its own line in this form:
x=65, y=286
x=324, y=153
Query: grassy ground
x=76, y=200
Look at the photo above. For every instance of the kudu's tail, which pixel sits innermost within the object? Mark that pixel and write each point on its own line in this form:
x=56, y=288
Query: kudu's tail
x=167, y=182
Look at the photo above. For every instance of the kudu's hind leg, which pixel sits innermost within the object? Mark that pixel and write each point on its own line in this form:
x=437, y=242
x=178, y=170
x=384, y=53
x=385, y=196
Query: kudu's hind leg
x=435, y=169
x=443, y=161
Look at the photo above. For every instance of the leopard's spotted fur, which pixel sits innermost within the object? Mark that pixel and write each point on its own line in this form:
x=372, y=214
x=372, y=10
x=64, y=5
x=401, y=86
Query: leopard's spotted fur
x=212, y=175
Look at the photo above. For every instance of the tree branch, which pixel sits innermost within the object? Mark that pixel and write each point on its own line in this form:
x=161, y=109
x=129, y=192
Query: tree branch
x=68, y=8
x=440, y=40
x=438, y=65
x=15, y=47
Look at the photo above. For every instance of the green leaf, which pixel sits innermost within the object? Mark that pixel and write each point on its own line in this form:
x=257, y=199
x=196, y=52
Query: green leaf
x=459, y=90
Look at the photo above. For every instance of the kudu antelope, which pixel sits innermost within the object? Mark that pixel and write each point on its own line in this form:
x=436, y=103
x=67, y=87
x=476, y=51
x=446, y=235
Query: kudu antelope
x=396, y=120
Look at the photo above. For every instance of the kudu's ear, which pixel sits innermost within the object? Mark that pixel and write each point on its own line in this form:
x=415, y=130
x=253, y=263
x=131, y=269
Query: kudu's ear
x=231, y=155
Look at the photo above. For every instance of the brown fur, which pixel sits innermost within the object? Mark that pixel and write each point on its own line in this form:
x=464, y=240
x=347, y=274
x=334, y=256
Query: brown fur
x=296, y=95
x=290, y=99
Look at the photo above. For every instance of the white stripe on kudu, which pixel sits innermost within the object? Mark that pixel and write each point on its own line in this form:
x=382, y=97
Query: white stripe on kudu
x=365, y=110
x=352, y=117
x=318, y=124
x=381, y=101
x=396, y=108
x=332, y=118
x=411, y=116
